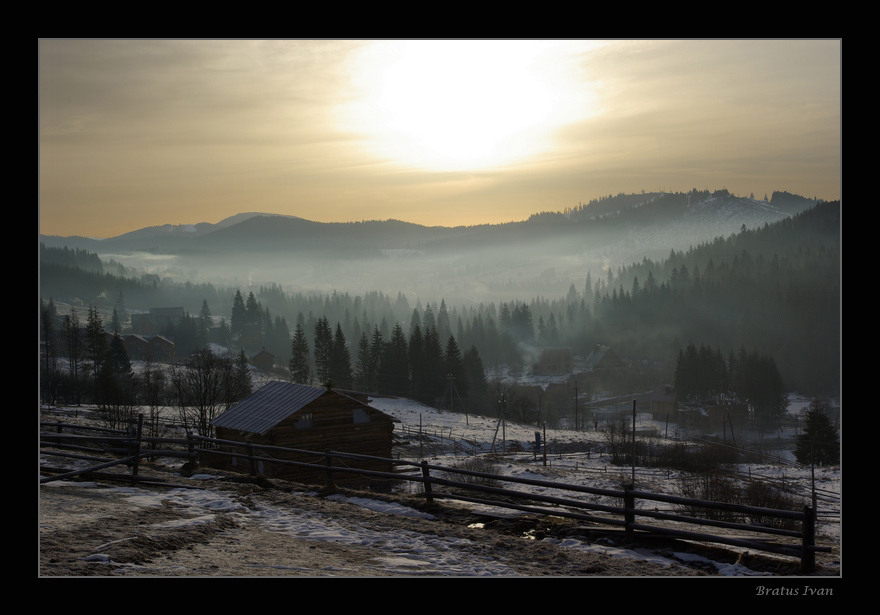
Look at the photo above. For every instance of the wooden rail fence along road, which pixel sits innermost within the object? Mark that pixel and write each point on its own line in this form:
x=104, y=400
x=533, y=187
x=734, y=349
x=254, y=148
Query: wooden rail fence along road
x=635, y=511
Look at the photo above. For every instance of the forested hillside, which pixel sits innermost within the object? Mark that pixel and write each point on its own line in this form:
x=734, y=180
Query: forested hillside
x=773, y=290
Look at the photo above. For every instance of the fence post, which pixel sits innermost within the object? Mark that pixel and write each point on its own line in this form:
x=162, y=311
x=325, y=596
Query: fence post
x=629, y=506
x=191, y=449
x=426, y=474
x=137, y=445
x=329, y=463
x=808, y=541
x=252, y=463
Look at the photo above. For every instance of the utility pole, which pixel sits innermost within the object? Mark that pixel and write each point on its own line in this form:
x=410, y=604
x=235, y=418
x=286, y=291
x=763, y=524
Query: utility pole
x=503, y=422
x=576, y=406
x=634, y=444
x=545, y=443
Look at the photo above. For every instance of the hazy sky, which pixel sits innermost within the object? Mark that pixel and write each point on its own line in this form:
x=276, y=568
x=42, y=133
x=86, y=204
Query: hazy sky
x=136, y=133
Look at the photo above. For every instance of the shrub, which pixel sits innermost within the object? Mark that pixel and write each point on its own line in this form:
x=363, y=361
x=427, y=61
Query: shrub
x=712, y=487
x=474, y=464
x=703, y=458
x=766, y=496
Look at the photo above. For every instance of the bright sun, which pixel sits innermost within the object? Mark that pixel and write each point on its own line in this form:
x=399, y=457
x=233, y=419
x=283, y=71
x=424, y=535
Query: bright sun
x=461, y=105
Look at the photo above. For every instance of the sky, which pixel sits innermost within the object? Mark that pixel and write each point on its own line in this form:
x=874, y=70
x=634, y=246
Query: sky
x=136, y=133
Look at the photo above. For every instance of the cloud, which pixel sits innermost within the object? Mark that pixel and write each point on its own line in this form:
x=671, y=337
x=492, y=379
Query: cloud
x=156, y=131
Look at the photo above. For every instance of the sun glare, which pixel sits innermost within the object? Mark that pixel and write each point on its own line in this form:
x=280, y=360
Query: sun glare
x=461, y=105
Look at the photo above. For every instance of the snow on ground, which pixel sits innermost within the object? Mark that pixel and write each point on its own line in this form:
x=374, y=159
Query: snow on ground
x=396, y=551
x=593, y=468
x=409, y=553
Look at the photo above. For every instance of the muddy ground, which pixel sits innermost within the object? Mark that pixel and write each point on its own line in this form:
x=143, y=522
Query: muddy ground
x=99, y=532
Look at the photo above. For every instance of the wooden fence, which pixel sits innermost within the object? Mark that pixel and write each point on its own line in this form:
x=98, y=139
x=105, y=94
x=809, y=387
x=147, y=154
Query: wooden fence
x=485, y=488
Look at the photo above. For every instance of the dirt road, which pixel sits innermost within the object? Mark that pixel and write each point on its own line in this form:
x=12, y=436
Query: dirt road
x=98, y=530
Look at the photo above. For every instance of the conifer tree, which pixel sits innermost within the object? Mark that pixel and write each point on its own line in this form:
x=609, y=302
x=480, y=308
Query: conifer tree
x=819, y=443
x=73, y=345
x=236, y=324
x=416, y=354
x=443, y=323
x=454, y=366
x=49, y=376
x=365, y=367
x=239, y=382
x=434, y=379
x=300, y=361
x=204, y=321
x=323, y=350
x=340, y=364
x=96, y=343
x=394, y=366
x=474, y=373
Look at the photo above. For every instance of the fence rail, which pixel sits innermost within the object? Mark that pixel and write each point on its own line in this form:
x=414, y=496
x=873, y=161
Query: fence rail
x=128, y=448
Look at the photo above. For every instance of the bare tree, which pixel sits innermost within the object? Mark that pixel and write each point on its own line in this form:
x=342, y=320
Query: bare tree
x=73, y=343
x=205, y=387
x=199, y=390
x=153, y=393
x=617, y=432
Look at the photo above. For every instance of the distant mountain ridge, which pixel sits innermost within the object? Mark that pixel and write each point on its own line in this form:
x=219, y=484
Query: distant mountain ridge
x=192, y=230
x=610, y=231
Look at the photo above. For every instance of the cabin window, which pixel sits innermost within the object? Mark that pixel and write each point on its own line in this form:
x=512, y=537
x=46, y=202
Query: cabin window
x=305, y=421
x=359, y=415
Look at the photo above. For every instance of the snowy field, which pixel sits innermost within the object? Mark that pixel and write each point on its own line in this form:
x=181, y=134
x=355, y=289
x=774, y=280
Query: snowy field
x=396, y=550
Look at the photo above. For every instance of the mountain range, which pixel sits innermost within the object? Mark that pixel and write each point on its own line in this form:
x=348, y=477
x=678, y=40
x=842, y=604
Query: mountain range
x=548, y=248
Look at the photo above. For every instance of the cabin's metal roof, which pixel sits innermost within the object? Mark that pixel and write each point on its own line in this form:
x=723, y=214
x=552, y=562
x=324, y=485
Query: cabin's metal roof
x=268, y=406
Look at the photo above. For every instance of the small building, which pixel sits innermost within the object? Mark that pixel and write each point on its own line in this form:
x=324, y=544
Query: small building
x=156, y=321
x=148, y=347
x=137, y=346
x=603, y=357
x=663, y=403
x=692, y=418
x=160, y=348
x=312, y=420
x=553, y=361
x=263, y=360
x=728, y=417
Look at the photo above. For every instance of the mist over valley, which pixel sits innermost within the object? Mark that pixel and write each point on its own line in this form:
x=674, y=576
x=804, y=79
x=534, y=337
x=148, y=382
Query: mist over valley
x=542, y=255
x=646, y=274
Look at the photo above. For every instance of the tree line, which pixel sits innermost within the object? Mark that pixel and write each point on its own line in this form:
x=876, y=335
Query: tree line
x=751, y=378
x=419, y=366
x=775, y=289
x=91, y=365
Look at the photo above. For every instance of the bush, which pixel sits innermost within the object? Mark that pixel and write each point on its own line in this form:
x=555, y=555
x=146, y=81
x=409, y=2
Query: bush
x=719, y=488
x=711, y=487
x=704, y=458
x=766, y=496
x=474, y=464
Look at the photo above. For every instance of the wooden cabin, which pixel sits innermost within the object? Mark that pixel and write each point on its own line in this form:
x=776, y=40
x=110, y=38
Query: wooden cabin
x=664, y=405
x=553, y=361
x=728, y=417
x=263, y=360
x=603, y=357
x=311, y=419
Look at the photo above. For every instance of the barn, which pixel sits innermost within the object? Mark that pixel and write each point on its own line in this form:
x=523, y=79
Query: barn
x=311, y=419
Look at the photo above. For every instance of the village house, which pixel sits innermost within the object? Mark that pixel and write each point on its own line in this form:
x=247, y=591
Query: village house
x=137, y=347
x=727, y=418
x=663, y=403
x=603, y=357
x=156, y=320
x=312, y=420
x=553, y=361
x=160, y=348
x=263, y=360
